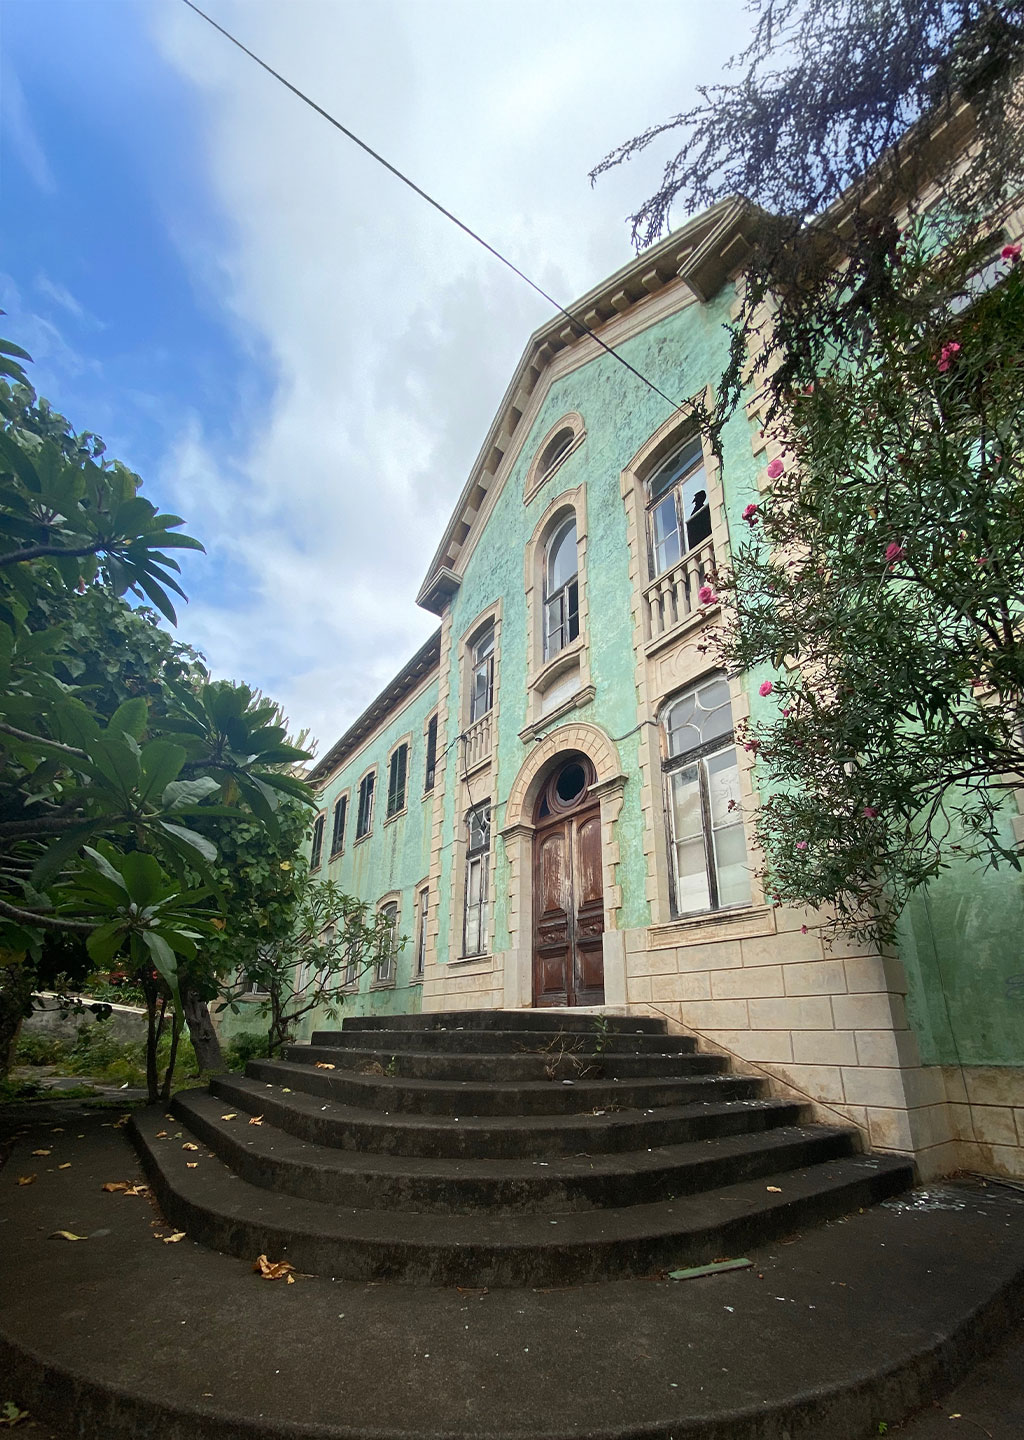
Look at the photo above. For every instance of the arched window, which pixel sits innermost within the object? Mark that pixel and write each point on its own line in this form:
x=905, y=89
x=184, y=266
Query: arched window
x=476, y=915
x=678, y=513
x=709, y=858
x=561, y=588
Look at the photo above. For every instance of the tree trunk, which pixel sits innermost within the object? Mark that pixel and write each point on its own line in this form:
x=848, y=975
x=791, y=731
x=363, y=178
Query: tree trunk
x=201, y=1032
x=165, y=1089
x=15, y=1004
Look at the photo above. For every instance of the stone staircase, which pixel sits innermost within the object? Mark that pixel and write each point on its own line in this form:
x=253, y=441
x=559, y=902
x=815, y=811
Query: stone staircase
x=500, y=1149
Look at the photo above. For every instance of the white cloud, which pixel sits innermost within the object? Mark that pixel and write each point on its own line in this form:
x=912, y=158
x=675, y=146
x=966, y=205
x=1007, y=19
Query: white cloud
x=19, y=132
x=390, y=336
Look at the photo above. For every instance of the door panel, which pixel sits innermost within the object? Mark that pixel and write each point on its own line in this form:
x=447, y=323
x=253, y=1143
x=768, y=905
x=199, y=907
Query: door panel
x=568, y=904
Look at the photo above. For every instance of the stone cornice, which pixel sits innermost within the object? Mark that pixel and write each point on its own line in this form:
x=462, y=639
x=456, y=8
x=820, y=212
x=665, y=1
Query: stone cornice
x=702, y=253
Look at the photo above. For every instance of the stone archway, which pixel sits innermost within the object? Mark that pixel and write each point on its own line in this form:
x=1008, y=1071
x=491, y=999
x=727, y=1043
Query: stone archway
x=518, y=837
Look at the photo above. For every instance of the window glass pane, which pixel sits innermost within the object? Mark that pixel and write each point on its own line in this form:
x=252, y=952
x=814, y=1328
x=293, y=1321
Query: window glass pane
x=714, y=709
x=365, y=806
x=696, y=512
x=692, y=890
x=562, y=561
x=338, y=834
x=484, y=646
x=681, y=731
x=557, y=448
x=318, y=842
x=732, y=873
x=667, y=548
x=677, y=464
x=481, y=695
x=431, y=762
x=572, y=599
x=478, y=824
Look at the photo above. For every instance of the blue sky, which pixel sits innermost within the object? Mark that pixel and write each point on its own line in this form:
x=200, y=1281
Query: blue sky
x=293, y=352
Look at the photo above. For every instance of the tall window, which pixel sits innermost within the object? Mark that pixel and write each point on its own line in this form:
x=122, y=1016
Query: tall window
x=388, y=945
x=476, y=927
x=702, y=780
x=679, y=516
x=364, y=816
x=398, y=765
x=422, y=908
x=338, y=829
x=317, y=847
x=481, y=680
x=561, y=589
x=431, y=765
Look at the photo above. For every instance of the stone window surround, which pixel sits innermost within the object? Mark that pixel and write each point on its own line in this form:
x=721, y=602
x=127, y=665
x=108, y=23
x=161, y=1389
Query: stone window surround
x=654, y=658
x=356, y=789
x=345, y=795
x=489, y=616
x=393, y=897
x=537, y=478
x=694, y=918
x=469, y=800
x=402, y=740
x=543, y=673
x=517, y=837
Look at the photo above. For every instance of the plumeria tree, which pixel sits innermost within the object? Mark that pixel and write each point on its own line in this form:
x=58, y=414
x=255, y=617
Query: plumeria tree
x=309, y=962
x=118, y=749
x=881, y=586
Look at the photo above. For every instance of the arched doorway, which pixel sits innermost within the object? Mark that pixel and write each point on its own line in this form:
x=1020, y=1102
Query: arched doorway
x=568, y=894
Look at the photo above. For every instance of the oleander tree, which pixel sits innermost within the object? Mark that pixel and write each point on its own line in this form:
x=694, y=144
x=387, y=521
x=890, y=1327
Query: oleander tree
x=118, y=748
x=880, y=328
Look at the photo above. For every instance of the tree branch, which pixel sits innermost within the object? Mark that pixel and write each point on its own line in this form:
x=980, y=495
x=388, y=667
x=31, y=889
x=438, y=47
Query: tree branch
x=42, y=740
x=31, y=917
x=39, y=552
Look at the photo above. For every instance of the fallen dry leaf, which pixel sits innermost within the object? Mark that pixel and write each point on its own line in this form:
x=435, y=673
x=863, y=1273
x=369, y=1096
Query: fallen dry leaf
x=173, y=1239
x=774, y=1189
x=274, y=1269
x=65, y=1166
x=231, y=1115
x=26, y=1179
x=191, y=1164
x=323, y=1065
x=57, y=1130
x=119, y=1124
x=256, y=1120
x=125, y=1187
x=285, y=1090
x=189, y=1146
x=67, y=1235
x=42, y=1152
x=161, y=1134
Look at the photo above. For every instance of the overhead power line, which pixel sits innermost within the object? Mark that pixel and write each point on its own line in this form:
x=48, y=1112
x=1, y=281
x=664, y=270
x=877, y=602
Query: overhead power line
x=467, y=229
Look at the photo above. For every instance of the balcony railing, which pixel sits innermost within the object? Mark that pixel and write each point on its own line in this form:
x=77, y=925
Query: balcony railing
x=673, y=596
x=478, y=741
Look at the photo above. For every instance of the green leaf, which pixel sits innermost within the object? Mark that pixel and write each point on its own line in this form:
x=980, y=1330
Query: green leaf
x=103, y=944
x=180, y=793
x=129, y=719
x=161, y=761
x=198, y=842
x=164, y=959
x=143, y=878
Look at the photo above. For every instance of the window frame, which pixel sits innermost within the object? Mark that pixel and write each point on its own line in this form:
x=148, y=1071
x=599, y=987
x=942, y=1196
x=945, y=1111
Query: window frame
x=396, y=803
x=370, y=777
x=699, y=756
x=566, y=597
x=385, y=972
x=422, y=920
x=675, y=488
x=430, y=753
x=316, y=842
x=478, y=863
x=483, y=665
x=338, y=839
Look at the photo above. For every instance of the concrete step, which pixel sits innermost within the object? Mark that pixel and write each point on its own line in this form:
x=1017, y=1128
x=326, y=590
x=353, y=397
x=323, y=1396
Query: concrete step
x=551, y=1020
x=272, y=1159
x=507, y=1066
x=391, y=1040
x=862, y=1321
x=724, y=1109
x=221, y=1210
x=579, y=1096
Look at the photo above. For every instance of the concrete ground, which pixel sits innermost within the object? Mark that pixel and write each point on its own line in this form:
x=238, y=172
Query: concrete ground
x=836, y=1333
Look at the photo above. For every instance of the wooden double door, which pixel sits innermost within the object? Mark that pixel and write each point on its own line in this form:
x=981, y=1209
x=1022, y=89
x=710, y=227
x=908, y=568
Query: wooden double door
x=568, y=894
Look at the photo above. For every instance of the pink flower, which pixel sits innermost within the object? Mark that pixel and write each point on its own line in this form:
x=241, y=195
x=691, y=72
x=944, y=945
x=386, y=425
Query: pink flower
x=765, y=688
x=776, y=467
x=981, y=559
x=706, y=595
x=801, y=844
x=803, y=929
x=1010, y=252
x=869, y=812
x=752, y=745
x=785, y=714
x=750, y=515
x=947, y=355
x=893, y=552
